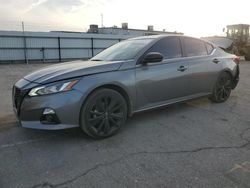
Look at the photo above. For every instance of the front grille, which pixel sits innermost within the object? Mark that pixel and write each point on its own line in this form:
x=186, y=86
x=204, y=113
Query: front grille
x=18, y=95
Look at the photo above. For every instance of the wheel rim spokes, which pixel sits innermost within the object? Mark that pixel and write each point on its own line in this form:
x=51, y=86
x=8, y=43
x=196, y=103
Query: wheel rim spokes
x=116, y=115
x=96, y=119
x=106, y=115
x=96, y=113
x=114, y=105
x=224, y=88
x=100, y=106
x=106, y=126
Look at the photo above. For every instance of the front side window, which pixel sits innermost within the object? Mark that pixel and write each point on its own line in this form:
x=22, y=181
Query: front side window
x=169, y=47
x=125, y=50
x=194, y=47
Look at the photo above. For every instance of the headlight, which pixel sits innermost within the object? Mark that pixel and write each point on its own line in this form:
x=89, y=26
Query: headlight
x=54, y=88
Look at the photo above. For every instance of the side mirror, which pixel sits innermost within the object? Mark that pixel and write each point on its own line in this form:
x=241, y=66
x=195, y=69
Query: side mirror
x=153, y=57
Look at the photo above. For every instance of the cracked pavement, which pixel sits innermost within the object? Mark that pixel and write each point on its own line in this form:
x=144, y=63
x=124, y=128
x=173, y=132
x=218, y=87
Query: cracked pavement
x=194, y=144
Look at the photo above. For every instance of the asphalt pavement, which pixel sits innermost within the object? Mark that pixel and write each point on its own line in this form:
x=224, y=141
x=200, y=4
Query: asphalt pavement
x=193, y=144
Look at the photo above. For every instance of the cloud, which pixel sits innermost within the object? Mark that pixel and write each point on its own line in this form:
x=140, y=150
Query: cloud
x=35, y=4
x=56, y=14
x=191, y=17
x=18, y=8
x=66, y=5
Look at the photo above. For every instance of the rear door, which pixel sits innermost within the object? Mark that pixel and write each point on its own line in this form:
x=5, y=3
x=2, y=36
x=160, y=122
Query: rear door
x=198, y=55
x=162, y=81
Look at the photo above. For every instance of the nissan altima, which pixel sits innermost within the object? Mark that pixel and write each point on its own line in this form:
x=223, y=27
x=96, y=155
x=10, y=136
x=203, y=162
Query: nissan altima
x=131, y=76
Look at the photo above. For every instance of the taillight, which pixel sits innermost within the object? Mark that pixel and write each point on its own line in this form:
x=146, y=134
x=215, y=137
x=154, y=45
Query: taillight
x=237, y=60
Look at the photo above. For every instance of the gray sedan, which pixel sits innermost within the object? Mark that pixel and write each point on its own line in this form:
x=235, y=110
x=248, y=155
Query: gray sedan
x=132, y=76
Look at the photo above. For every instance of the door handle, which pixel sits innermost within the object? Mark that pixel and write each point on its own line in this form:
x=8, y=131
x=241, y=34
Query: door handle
x=182, y=68
x=216, y=61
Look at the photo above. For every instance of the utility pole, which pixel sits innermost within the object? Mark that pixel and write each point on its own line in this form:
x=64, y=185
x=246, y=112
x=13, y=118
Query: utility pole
x=102, y=20
x=25, y=45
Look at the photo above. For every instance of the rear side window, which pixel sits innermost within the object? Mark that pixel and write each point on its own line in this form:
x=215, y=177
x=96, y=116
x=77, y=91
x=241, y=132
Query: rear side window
x=169, y=47
x=194, y=47
x=210, y=48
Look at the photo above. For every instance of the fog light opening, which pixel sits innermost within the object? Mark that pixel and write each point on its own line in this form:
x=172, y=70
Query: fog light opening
x=49, y=117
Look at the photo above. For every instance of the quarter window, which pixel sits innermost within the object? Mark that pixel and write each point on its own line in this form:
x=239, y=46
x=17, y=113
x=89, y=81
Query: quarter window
x=194, y=47
x=210, y=48
x=169, y=47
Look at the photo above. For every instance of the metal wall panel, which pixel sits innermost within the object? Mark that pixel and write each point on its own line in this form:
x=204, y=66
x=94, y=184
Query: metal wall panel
x=75, y=43
x=34, y=54
x=53, y=45
x=51, y=54
x=104, y=43
x=11, y=42
x=42, y=42
x=76, y=54
x=11, y=54
x=37, y=54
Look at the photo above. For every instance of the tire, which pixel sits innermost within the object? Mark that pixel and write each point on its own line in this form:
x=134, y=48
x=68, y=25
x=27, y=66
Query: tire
x=222, y=88
x=103, y=114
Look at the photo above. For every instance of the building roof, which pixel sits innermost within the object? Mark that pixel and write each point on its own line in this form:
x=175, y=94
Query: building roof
x=235, y=25
x=155, y=36
x=143, y=30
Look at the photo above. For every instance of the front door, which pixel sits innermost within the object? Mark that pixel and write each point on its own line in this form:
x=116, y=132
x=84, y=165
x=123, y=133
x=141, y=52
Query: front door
x=160, y=82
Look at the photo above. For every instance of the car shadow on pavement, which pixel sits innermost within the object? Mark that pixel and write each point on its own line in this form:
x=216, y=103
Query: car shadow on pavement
x=10, y=122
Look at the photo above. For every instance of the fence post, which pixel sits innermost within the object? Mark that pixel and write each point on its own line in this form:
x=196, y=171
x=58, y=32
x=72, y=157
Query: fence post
x=59, y=49
x=25, y=45
x=92, y=47
x=43, y=54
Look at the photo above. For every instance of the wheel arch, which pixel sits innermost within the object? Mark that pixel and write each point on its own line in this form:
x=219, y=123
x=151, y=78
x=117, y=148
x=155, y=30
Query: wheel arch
x=117, y=88
x=227, y=70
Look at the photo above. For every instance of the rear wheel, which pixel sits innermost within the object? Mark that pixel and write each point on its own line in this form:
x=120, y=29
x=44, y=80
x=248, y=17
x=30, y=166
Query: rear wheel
x=103, y=113
x=222, y=89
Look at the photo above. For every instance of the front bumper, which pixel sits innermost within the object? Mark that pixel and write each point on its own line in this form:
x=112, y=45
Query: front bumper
x=67, y=106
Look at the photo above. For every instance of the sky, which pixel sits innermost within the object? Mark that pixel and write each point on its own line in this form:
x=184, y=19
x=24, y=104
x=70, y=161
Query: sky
x=192, y=17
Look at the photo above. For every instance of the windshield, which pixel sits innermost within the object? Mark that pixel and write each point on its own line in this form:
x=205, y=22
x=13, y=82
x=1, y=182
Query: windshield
x=125, y=50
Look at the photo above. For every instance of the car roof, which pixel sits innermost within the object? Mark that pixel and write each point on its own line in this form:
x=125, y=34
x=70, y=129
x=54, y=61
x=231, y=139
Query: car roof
x=170, y=35
x=165, y=35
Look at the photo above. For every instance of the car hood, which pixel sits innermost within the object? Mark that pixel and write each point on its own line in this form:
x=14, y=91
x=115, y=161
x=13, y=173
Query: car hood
x=71, y=69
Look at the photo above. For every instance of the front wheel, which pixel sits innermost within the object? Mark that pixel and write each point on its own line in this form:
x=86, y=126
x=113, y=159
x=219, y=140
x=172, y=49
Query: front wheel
x=222, y=88
x=104, y=113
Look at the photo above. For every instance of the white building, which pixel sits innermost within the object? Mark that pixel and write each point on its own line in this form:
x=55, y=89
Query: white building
x=124, y=30
x=62, y=45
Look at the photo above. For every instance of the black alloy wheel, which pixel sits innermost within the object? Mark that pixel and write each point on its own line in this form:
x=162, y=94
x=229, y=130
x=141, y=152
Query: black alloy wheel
x=104, y=113
x=222, y=89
